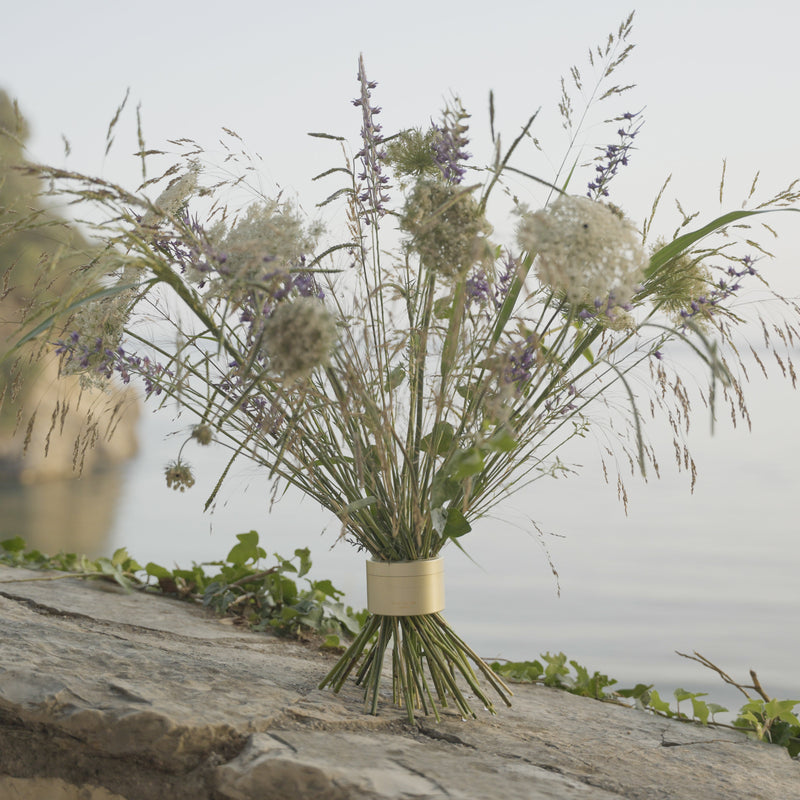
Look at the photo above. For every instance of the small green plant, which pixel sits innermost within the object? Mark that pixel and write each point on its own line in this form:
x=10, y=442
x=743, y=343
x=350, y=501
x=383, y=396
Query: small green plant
x=120, y=567
x=241, y=585
x=555, y=672
x=762, y=717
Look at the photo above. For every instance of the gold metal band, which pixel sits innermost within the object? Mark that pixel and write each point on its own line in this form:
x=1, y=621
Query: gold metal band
x=405, y=588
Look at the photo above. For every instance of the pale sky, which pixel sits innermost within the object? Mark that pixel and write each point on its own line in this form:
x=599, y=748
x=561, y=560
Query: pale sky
x=716, y=80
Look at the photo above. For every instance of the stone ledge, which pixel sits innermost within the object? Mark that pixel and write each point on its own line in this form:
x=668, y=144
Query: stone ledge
x=106, y=695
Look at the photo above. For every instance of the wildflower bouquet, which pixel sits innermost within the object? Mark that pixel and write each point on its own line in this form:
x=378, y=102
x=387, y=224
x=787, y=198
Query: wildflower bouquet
x=410, y=390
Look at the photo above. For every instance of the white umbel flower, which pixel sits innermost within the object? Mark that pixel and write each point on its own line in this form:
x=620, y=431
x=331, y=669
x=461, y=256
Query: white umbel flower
x=174, y=197
x=585, y=250
x=298, y=337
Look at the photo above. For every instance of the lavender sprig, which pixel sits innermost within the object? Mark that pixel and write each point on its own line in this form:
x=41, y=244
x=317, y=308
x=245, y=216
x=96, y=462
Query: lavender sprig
x=723, y=289
x=614, y=156
x=449, y=143
x=504, y=280
x=373, y=195
x=106, y=362
x=478, y=290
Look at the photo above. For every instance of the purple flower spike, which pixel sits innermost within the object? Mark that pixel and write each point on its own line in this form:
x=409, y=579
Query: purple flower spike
x=449, y=144
x=478, y=289
x=614, y=156
x=721, y=291
x=372, y=154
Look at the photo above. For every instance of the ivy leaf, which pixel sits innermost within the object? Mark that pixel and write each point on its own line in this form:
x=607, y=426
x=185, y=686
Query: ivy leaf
x=304, y=554
x=502, y=440
x=14, y=545
x=326, y=588
x=339, y=612
x=700, y=710
x=157, y=571
x=657, y=704
x=443, y=490
x=246, y=550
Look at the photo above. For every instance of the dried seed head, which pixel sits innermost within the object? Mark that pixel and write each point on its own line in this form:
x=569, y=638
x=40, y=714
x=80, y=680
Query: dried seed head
x=202, y=434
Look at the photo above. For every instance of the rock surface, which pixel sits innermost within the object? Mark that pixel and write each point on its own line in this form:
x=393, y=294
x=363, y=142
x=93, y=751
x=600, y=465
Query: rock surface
x=106, y=695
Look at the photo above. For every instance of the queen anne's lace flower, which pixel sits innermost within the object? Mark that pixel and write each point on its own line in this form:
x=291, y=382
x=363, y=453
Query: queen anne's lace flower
x=585, y=250
x=446, y=227
x=179, y=476
x=298, y=337
x=174, y=197
x=268, y=239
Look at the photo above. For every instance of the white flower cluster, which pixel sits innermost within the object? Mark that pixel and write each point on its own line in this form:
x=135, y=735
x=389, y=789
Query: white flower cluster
x=269, y=237
x=447, y=228
x=173, y=198
x=586, y=250
x=298, y=337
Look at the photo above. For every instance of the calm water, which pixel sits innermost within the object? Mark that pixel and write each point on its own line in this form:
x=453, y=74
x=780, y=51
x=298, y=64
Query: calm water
x=717, y=571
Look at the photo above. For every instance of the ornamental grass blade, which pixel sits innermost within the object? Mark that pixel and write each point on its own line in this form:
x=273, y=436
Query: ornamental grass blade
x=682, y=243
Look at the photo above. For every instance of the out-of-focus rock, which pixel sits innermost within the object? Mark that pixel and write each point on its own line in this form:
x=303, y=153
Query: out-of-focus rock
x=64, y=430
x=49, y=428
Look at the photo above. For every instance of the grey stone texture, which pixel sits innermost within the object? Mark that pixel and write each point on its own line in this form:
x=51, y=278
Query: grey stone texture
x=106, y=695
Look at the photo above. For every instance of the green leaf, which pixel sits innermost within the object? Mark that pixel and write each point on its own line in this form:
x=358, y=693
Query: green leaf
x=120, y=557
x=443, y=489
x=304, y=554
x=465, y=463
x=456, y=524
x=439, y=440
x=638, y=691
x=782, y=709
x=657, y=704
x=157, y=571
x=344, y=615
x=682, y=694
x=519, y=671
x=394, y=378
x=15, y=545
x=247, y=549
x=326, y=588
x=511, y=297
x=700, y=710
x=502, y=440
x=556, y=669
x=682, y=243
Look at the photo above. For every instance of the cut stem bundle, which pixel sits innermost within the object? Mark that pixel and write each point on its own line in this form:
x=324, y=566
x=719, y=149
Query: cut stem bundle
x=427, y=659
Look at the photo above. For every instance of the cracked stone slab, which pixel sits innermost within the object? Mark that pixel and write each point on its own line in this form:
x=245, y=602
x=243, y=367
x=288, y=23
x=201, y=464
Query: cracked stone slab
x=105, y=694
